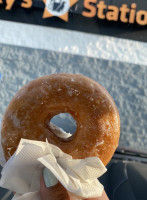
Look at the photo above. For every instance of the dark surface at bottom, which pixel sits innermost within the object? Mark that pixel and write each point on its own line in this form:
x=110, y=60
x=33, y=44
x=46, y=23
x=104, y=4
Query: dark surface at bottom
x=125, y=181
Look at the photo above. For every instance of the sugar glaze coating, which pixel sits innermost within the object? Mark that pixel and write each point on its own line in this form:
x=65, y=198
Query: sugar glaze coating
x=30, y=111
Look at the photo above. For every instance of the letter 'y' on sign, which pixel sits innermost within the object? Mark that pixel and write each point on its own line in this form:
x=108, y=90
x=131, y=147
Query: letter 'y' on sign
x=9, y=4
x=58, y=8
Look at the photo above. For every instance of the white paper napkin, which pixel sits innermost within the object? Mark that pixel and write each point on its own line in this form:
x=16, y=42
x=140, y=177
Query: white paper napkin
x=23, y=170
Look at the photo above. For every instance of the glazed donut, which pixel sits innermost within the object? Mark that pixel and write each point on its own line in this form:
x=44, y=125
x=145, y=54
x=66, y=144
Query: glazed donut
x=30, y=111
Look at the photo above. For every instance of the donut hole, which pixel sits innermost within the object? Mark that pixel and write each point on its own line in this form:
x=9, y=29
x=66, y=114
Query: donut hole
x=63, y=125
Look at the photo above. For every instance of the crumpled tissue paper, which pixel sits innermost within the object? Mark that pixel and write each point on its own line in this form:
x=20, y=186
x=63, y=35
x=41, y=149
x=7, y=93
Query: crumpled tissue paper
x=22, y=172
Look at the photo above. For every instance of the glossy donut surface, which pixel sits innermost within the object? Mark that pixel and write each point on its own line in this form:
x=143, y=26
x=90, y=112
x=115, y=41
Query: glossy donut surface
x=30, y=111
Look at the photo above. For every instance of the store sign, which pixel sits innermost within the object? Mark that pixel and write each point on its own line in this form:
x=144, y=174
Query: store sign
x=91, y=8
x=125, y=13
